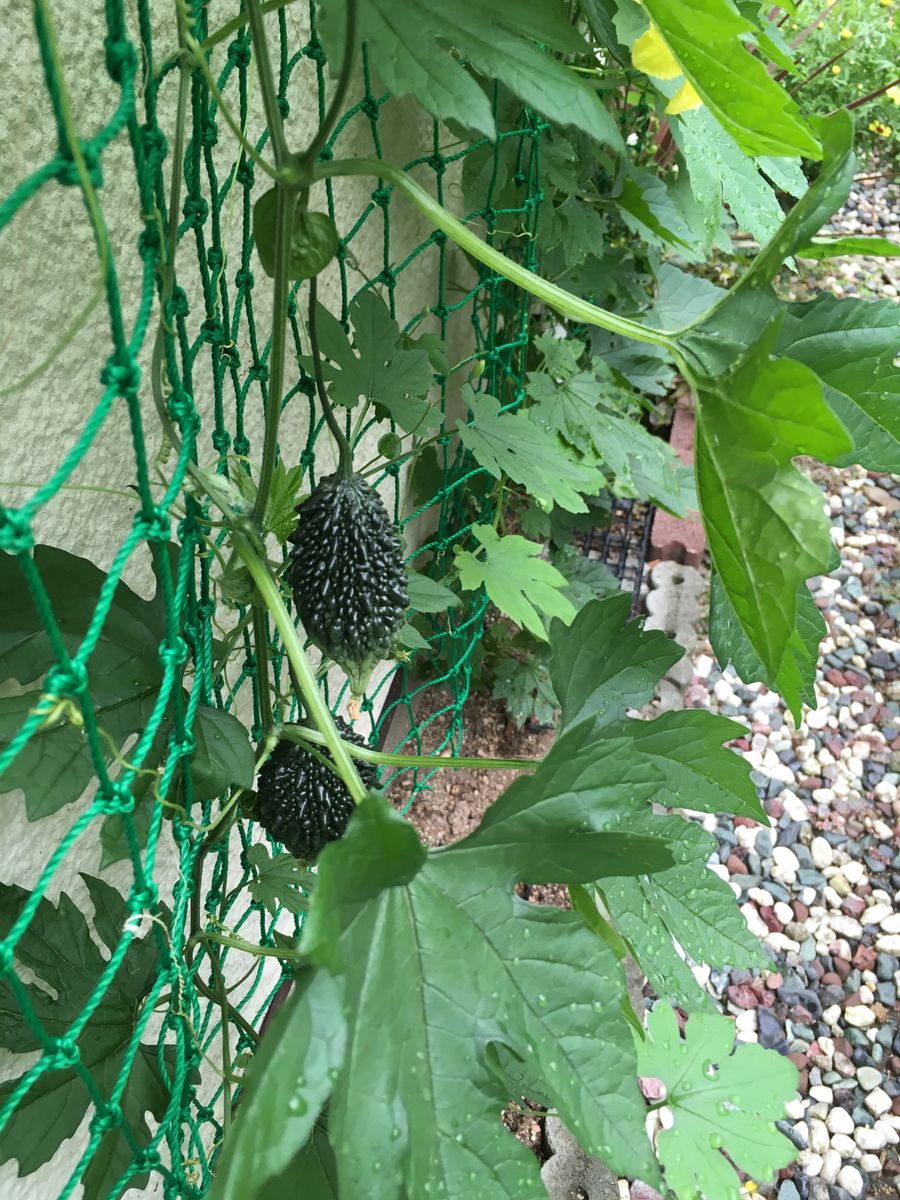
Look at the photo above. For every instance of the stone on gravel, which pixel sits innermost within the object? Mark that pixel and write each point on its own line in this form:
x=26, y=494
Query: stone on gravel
x=851, y=1181
x=878, y=1102
x=860, y=1016
x=868, y=1078
x=839, y=1121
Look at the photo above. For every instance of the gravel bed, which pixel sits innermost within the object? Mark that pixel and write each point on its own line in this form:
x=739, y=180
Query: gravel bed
x=821, y=887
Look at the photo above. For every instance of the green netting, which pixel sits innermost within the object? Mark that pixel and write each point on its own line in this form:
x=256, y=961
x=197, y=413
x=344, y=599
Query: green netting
x=213, y=342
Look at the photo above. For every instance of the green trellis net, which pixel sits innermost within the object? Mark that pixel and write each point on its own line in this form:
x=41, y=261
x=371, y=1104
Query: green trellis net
x=212, y=341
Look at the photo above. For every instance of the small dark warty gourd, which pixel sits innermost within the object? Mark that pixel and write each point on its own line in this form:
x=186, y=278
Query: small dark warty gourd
x=347, y=575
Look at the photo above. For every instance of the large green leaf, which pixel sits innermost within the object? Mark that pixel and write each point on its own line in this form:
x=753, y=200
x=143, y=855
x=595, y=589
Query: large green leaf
x=58, y=949
x=419, y=47
x=599, y=668
x=837, y=247
x=423, y=1120
x=795, y=677
x=720, y=172
x=708, y=39
x=764, y=520
x=223, y=756
x=124, y=671
x=686, y=905
x=698, y=771
x=287, y=1085
x=722, y=1098
x=511, y=443
x=815, y=206
x=851, y=345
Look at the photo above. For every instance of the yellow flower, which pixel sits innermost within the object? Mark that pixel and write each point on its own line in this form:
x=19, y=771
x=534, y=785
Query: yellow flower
x=835, y=70
x=893, y=93
x=845, y=34
x=880, y=128
x=887, y=3
x=684, y=100
x=652, y=55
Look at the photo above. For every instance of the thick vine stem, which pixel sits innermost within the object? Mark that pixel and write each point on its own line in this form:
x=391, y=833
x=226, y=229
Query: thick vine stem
x=557, y=298
x=345, y=461
x=301, y=735
x=312, y=697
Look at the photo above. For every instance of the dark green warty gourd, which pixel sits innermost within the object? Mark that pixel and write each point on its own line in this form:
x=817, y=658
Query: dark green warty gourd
x=347, y=575
x=301, y=802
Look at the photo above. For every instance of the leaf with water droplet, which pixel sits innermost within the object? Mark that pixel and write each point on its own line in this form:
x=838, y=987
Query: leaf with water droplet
x=703, y=1125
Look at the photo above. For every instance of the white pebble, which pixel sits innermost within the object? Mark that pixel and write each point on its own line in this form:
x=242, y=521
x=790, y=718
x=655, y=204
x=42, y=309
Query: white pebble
x=785, y=864
x=847, y=927
x=870, y=1139
x=845, y=1146
x=878, y=1102
x=850, y=1180
x=810, y=1163
x=821, y=1092
x=822, y=853
x=870, y=1163
x=794, y=806
x=876, y=913
x=860, y=1017
x=819, y=1140
x=853, y=872
x=784, y=912
x=831, y=1015
x=839, y=1121
x=831, y=1164
x=891, y=924
x=762, y=897
x=888, y=944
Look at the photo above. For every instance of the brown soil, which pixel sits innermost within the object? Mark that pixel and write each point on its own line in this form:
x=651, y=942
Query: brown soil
x=456, y=799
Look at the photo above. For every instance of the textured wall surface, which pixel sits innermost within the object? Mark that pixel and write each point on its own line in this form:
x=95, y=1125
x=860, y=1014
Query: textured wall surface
x=48, y=273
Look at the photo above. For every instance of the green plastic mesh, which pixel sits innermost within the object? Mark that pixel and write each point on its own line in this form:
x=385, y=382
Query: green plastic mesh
x=213, y=341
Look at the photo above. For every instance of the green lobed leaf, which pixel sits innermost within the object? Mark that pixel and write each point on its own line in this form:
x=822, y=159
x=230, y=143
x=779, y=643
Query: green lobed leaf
x=512, y=444
x=424, y=1119
x=124, y=672
x=735, y=85
x=601, y=665
x=686, y=906
x=281, y=507
x=377, y=365
x=523, y=684
x=562, y=823
x=763, y=518
x=517, y=580
x=410, y=42
x=578, y=408
x=277, y=880
x=58, y=949
x=223, y=756
x=720, y=172
x=724, y=1099
x=289, y=1081
x=851, y=345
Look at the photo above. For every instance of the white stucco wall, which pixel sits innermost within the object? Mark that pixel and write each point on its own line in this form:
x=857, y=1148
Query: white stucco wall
x=48, y=267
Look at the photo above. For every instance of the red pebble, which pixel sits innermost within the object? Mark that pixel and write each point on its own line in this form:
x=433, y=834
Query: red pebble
x=742, y=995
x=864, y=958
x=735, y=865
